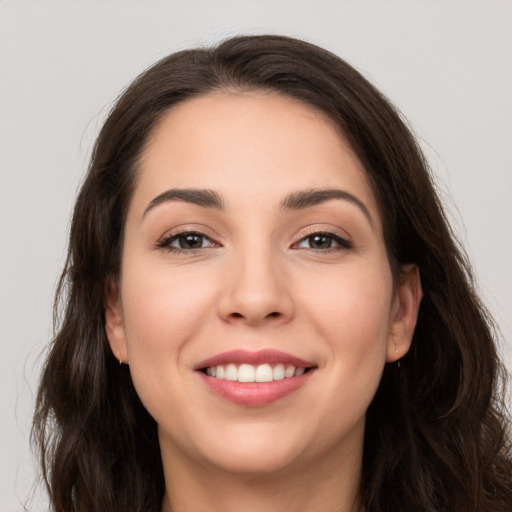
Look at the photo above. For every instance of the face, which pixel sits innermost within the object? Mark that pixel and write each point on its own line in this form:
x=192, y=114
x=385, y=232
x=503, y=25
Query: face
x=256, y=306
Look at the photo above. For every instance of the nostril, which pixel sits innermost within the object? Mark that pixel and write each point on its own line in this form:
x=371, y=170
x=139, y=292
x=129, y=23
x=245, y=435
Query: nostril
x=274, y=314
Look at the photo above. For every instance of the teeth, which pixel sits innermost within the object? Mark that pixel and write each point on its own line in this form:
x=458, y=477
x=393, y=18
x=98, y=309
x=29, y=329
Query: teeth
x=298, y=372
x=290, y=371
x=246, y=373
x=231, y=372
x=250, y=373
x=278, y=372
x=264, y=373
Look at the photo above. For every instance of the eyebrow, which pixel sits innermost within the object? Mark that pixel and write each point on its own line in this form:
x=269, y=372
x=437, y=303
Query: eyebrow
x=202, y=197
x=307, y=198
x=299, y=200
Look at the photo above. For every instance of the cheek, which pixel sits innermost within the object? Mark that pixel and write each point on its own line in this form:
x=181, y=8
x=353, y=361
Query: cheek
x=163, y=310
x=350, y=310
x=351, y=317
x=163, y=306
x=351, y=301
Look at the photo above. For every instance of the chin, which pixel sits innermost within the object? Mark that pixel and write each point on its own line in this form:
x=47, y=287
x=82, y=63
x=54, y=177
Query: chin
x=255, y=460
x=252, y=449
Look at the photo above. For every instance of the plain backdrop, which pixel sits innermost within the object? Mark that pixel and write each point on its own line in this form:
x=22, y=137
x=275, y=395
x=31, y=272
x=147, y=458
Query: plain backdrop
x=447, y=64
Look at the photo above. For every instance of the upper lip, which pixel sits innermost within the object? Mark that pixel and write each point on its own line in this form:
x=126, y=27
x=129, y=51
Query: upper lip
x=240, y=356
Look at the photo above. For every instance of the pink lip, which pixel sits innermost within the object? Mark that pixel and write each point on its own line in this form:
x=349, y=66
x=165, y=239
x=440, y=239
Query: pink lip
x=255, y=358
x=254, y=393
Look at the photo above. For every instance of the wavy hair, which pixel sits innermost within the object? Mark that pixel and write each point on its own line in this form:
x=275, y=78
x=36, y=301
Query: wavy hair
x=436, y=434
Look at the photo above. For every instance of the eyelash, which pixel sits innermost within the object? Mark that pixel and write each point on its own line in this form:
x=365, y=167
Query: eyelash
x=343, y=243
x=165, y=243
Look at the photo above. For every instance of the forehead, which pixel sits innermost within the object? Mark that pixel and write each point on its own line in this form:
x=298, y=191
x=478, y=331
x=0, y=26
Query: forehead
x=253, y=145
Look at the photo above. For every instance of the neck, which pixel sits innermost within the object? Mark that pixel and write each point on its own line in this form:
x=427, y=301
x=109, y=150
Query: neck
x=325, y=484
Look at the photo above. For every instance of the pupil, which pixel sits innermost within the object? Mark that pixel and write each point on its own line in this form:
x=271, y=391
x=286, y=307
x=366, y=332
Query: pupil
x=320, y=241
x=191, y=241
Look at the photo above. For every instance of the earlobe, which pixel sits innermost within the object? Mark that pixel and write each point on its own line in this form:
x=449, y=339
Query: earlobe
x=114, y=325
x=404, y=313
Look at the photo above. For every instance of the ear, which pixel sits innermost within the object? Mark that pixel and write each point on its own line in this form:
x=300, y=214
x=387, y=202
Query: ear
x=404, y=312
x=114, y=325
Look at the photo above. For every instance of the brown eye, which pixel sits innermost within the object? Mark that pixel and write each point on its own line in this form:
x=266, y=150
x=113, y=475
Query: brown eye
x=190, y=241
x=186, y=241
x=323, y=242
x=319, y=241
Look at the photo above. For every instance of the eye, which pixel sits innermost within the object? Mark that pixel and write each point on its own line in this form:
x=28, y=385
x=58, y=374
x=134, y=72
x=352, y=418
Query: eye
x=186, y=241
x=323, y=242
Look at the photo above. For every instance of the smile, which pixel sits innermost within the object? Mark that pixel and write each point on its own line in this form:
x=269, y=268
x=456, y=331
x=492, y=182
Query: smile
x=254, y=378
x=252, y=373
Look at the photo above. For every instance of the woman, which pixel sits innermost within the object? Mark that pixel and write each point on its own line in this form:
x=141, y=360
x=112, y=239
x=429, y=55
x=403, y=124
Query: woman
x=264, y=306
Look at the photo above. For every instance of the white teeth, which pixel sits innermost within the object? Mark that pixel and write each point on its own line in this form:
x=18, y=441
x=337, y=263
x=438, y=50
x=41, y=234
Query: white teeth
x=278, y=372
x=264, y=373
x=290, y=371
x=246, y=373
x=231, y=372
x=251, y=373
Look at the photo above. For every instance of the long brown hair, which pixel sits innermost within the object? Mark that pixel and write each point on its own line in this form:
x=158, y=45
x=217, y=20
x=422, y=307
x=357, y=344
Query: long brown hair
x=436, y=435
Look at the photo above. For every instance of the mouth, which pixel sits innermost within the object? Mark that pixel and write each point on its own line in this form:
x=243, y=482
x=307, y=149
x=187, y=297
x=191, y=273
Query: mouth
x=265, y=372
x=254, y=378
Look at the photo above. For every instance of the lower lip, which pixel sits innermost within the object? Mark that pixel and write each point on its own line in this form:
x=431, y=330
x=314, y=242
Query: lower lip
x=255, y=393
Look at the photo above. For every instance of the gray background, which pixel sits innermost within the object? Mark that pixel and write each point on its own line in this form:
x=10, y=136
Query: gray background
x=447, y=64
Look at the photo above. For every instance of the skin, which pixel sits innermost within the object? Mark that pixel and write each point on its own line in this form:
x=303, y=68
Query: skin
x=257, y=282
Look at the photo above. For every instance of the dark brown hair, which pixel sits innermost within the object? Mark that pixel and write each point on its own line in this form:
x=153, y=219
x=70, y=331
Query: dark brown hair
x=436, y=436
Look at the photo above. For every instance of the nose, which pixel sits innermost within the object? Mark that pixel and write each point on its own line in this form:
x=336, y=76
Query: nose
x=257, y=291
